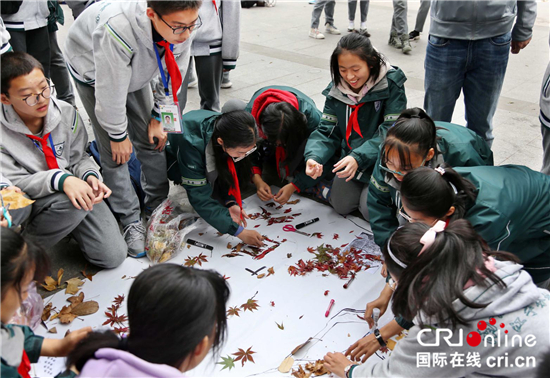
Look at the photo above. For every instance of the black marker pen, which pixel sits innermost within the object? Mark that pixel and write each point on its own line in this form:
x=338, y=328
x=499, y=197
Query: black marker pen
x=199, y=244
x=307, y=223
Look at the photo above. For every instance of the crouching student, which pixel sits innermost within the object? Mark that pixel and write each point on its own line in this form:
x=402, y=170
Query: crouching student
x=286, y=118
x=23, y=263
x=364, y=99
x=176, y=315
x=416, y=140
x=448, y=280
x=43, y=153
x=210, y=159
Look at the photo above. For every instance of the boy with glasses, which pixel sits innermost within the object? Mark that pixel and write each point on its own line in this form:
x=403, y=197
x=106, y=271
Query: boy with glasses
x=43, y=153
x=114, y=51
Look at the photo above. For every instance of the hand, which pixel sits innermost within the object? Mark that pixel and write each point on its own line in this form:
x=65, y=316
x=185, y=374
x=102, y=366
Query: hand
x=62, y=347
x=101, y=190
x=346, y=168
x=79, y=192
x=516, y=46
x=154, y=130
x=284, y=194
x=262, y=188
x=238, y=215
x=384, y=271
x=14, y=188
x=121, y=151
x=3, y=221
x=378, y=303
x=363, y=348
x=251, y=237
x=336, y=363
x=313, y=169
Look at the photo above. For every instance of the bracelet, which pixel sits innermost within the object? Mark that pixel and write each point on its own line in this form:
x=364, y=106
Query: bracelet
x=379, y=337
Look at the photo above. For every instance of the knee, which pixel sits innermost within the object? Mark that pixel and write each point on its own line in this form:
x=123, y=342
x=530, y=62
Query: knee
x=343, y=205
x=111, y=254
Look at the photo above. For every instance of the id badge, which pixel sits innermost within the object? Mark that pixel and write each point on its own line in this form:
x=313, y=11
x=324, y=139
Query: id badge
x=170, y=118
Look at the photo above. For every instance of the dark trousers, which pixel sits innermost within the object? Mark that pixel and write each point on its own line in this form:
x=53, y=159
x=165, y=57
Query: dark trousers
x=35, y=42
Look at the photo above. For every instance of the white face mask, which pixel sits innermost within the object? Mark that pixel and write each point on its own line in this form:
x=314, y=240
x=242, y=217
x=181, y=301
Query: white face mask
x=237, y=159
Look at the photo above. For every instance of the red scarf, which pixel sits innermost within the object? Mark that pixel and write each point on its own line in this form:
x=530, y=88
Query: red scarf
x=234, y=190
x=280, y=156
x=173, y=69
x=353, y=123
x=25, y=366
x=51, y=160
x=271, y=96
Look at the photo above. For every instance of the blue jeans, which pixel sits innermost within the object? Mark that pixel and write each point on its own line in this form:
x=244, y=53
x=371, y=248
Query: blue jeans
x=475, y=67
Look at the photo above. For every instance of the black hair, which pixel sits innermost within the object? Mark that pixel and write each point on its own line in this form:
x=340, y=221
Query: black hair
x=429, y=192
x=282, y=122
x=171, y=309
x=15, y=64
x=357, y=43
x=413, y=128
x=167, y=7
x=433, y=280
x=236, y=129
x=20, y=256
x=544, y=365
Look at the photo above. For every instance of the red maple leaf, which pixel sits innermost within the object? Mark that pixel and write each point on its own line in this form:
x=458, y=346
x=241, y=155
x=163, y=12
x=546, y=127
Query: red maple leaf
x=233, y=311
x=244, y=356
x=201, y=258
x=250, y=305
x=336, y=237
x=190, y=261
x=118, y=300
x=272, y=304
x=311, y=249
x=288, y=210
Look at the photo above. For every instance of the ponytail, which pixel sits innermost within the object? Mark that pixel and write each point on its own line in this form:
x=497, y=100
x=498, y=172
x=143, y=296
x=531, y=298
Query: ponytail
x=86, y=348
x=432, y=192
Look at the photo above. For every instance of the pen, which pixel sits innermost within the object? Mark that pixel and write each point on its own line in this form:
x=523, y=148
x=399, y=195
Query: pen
x=307, y=223
x=329, y=308
x=199, y=244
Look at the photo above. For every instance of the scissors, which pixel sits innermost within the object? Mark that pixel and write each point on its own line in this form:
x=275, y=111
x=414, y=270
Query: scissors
x=5, y=211
x=290, y=228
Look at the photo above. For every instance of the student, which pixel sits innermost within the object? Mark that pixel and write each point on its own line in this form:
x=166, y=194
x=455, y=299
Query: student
x=114, y=50
x=23, y=263
x=176, y=315
x=448, y=280
x=44, y=153
x=365, y=97
x=285, y=118
x=210, y=160
x=416, y=140
x=352, y=7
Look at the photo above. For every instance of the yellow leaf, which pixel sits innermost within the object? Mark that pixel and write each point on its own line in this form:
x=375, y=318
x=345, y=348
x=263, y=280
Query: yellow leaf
x=66, y=318
x=73, y=286
x=59, y=275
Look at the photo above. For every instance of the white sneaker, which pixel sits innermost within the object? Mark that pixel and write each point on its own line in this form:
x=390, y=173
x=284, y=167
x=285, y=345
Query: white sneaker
x=134, y=236
x=363, y=28
x=193, y=81
x=316, y=34
x=331, y=29
x=226, y=83
x=351, y=26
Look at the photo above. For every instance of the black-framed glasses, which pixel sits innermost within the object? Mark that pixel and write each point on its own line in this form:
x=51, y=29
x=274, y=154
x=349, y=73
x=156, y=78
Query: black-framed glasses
x=182, y=29
x=33, y=99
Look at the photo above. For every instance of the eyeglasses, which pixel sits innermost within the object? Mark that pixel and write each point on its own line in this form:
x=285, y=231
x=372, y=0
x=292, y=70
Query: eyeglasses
x=33, y=99
x=399, y=173
x=245, y=155
x=405, y=216
x=182, y=29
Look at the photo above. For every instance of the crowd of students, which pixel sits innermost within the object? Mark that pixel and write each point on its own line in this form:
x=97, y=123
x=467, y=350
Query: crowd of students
x=462, y=240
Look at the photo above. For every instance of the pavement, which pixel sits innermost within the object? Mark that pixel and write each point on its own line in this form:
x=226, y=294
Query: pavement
x=275, y=49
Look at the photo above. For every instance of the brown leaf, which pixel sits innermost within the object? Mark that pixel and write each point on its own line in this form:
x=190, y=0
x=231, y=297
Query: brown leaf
x=54, y=316
x=270, y=271
x=66, y=318
x=52, y=330
x=85, y=308
x=293, y=202
x=233, y=311
x=261, y=275
x=229, y=246
x=295, y=350
x=87, y=275
x=250, y=305
x=244, y=356
x=50, y=284
x=76, y=299
x=73, y=286
x=281, y=326
x=47, y=311
x=300, y=372
x=59, y=276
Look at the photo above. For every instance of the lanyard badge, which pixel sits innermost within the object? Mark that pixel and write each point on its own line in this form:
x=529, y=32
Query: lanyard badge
x=170, y=115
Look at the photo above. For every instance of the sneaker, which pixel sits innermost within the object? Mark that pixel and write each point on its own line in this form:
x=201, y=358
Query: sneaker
x=331, y=29
x=226, y=83
x=395, y=41
x=405, y=43
x=193, y=81
x=363, y=28
x=414, y=35
x=351, y=26
x=316, y=34
x=134, y=236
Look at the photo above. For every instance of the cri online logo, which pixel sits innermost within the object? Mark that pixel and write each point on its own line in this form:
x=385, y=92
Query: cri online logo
x=474, y=338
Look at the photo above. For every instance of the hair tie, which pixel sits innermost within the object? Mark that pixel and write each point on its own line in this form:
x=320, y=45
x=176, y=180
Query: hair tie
x=123, y=343
x=440, y=170
x=429, y=236
x=395, y=259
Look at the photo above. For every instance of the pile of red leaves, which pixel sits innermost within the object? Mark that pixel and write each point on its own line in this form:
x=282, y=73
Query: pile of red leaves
x=266, y=215
x=256, y=253
x=338, y=261
x=114, y=319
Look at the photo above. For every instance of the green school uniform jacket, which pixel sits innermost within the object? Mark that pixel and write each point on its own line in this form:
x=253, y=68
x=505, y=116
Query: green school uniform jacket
x=512, y=213
x=383, y=104
x=307, y=107
x=188, y=150
x=457, y=145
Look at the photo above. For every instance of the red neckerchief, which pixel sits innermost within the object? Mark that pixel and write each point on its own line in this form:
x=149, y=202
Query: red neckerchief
x=234, y=190
x=353, y=123
x=172, y=67
x=280, y=156
x=25, y=366
x=51, y=160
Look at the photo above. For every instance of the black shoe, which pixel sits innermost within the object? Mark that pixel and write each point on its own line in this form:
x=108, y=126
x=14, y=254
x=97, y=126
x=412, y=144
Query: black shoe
x=414, y=35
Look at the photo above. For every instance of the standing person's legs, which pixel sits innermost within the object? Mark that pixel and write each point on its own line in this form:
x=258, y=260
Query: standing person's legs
x=182, y=95
x=154, y=179
x=99, y=238
x=232, y=105
x=399, y=21
x=345, y=196
x=34, y=42
x=545, y=130
x=124, y=200
x=59, y=72
x=329, y=12
x=483, y=83
x=364, y=6
x=445, y=66
x=352, y=6
x=422, y=15
x=316, y=13
x=210, y=73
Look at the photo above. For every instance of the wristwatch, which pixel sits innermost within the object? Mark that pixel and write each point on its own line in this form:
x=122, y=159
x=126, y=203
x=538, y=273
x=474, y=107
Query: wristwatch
x=348, y=369
x=379, y=337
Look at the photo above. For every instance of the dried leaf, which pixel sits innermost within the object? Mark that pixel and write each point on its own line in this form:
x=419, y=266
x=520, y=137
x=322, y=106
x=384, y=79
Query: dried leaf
x=188, y=246
x=300, y=372
x=76, y=299
x=118, y=300
x=50, y=284
x=286, y=365
x=270, y=271
x=66, y=318
x=73, y=285
x=250, y=305
x=229, y=246
x=261, y=275
x=326, y=292
x=87, y=275
x=317, y=368
x=244, y=356
x=289, y=255
x=294, y=202
x=54, y=316
x=225, y=277
x=47, y=311
x=201, y=233
x=336, y=236
x=85, y=308
x=233, y=311
x=295, y=350
x=272, y=304
x=52, y=330
x=227, y=363
x=281, y=326
x=59, y=276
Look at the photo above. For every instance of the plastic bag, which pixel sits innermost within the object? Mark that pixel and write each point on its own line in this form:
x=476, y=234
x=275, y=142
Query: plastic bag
x=30, y=312
x=168, y=227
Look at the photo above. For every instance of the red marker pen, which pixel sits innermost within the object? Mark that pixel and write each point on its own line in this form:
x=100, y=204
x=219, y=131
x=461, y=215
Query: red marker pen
x=329, y=308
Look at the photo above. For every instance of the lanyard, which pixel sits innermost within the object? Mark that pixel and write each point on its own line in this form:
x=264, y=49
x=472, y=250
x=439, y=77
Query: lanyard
x=51, y=144
x=162, y=75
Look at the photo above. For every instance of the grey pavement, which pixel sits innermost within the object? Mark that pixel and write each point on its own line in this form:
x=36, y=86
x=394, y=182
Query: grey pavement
x=276, y=49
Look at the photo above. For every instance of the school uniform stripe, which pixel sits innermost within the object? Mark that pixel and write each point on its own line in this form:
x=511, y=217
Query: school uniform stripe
x=329, y=118
x=377, y=185
x=116, y=36
x=193, y=182
x=544, y=119
x=88, y=173
x=58, y=179
x=391, y=117
x=15, y=25
x=79, y=78
x=118, y=137
x=215, y=49
x=75, y=122
x=5, y=48
x=545, y=86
